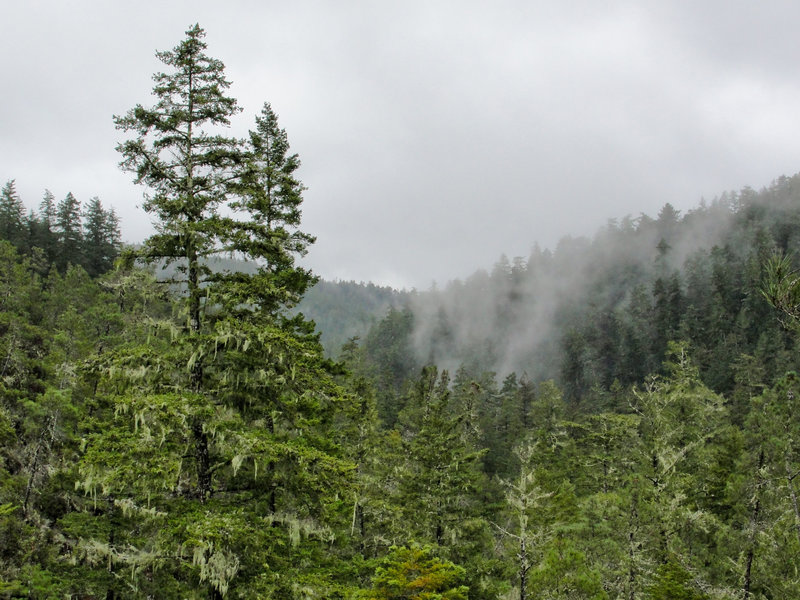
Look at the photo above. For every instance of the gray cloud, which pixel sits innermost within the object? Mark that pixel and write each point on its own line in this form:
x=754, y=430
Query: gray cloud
x=434, y=136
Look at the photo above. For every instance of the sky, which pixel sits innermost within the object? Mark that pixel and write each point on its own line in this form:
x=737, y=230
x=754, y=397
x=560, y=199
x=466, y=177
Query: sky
x=434, y=135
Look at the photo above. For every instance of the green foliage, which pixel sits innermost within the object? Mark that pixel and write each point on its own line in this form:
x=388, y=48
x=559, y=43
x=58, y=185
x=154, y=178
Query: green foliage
x=438, y=484
x=346, y=309
x=565, y=573
x=101, y=238
x=184, y=436
x=673, y=582
x=211, y=463
x=69, y=231
x=414, y=573
x=390, y=360
x=43, y=233
x=12, y=216
x=55, y=236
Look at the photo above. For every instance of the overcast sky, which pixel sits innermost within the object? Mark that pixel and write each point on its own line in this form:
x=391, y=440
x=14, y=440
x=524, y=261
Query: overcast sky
x=434, y=136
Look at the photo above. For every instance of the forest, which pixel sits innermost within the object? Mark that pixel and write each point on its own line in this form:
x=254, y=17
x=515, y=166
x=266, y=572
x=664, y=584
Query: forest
x=198, y=416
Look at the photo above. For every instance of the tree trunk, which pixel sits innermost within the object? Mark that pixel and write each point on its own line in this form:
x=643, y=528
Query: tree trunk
x=49, y=428
x=523, y=569
x=634, y=515
x=203, y=460
x=272, y=501
x=793, y=495
x=110, y=594
x=751, y=551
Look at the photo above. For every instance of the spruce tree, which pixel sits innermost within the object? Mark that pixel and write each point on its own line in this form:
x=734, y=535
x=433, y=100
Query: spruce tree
x=270, y=191
x=12, y=216
x=218, y=446
x=440, y=483
x=185, y=163
x=264, y=227
x=43, y=235
x=679, y=418
x=101, y=239
x=69, y=231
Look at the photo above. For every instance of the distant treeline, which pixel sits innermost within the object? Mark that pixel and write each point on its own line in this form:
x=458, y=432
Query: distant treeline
x=344, y=309
x=61, y=233
x=180, y=434
x=477, y=482
x=596, y=315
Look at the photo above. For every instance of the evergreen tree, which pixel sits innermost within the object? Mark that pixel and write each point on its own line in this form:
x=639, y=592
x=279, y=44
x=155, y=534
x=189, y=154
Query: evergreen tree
x=440, y=482
x=500, y=425
x=574, y=366
x=441, y=471
x=271, y=194
x=101, y=238
x=762, y=489
x=187, y=167
x=12, y=216
x=524, y=498
x=69, y=231
x=47, y=210
x=43, y=235
x=415, y=573
x=679, y=418
x=371, y=451
x=667, y=312
x=268, y=198
x=243, y=486
x=603, y=444
x=392, y=360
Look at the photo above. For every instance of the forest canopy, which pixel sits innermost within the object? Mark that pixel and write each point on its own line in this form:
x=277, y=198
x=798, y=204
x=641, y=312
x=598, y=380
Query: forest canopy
x=614, y=418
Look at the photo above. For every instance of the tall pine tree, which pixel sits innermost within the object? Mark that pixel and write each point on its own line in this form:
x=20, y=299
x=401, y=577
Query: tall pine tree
x=69, y=231
x=101, y=238
x=218, y=445
x=12, y=216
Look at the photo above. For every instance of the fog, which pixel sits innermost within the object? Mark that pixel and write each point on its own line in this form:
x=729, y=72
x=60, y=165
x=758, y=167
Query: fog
x=434, y=136
x=513, y=318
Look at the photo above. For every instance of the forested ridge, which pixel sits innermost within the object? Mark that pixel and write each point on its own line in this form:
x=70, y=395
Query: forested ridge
x=60, y=233
x=596, y=315
x=615, y=418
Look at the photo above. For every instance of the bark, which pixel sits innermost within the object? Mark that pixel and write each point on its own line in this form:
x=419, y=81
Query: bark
x=524, y=566
x=793, y=495
x=272, y=500
x=47, y=431
x=751, y=551
x=110, y=594
x=634, y=516
x=203, y=460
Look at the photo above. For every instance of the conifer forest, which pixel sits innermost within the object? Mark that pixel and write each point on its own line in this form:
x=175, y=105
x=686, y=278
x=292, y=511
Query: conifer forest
x=198, y=416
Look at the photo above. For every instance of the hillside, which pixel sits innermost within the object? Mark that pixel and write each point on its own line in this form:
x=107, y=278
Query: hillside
x=615, y=417
x=597, y=314
x=346, y=309
x=621, y=404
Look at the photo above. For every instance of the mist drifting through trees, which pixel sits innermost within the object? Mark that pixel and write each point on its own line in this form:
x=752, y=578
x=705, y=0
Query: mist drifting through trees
x=611, y=418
